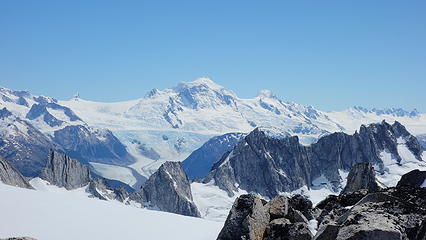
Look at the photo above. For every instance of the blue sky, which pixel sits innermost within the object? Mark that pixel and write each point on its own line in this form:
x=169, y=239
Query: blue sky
x=329, y=54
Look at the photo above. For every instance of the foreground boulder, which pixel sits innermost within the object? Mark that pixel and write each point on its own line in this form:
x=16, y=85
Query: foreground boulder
x=10, y=176
x=169, y=190
x=415, y=178
x=18, y=238
x=394, y=213
x=64, y=171
x=247, y=219
x=362, y=176
x=256, y=219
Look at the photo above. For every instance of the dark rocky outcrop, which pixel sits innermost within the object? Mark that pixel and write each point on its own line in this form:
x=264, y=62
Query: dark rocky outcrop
x=394, y=213
x=415, y=178
x=361, y=176
x=100, y=188
x=283, y=164
x=256, y=219
x=63, y=171
x=169, y=190
x=201, y=161
x=10, y=176
x=18, y=238
x=247, y=219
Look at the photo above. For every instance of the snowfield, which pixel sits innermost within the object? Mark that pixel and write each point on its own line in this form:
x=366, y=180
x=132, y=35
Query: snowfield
x=52, y=213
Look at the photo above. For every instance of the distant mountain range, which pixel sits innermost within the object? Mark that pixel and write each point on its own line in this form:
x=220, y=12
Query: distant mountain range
x=129, y=140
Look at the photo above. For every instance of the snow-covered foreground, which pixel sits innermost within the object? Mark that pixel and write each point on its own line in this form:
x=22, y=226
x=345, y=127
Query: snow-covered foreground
x=51, y=213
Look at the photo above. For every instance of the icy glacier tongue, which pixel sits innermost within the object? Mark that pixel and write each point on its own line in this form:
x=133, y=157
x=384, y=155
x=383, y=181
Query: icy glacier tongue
x=52, y=213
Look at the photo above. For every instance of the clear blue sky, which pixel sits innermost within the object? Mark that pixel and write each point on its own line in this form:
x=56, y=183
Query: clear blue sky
x=330, y=54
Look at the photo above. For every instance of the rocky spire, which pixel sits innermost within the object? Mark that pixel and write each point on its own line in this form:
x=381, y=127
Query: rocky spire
x=361, y=176
x=169, y=190
x=64, y=171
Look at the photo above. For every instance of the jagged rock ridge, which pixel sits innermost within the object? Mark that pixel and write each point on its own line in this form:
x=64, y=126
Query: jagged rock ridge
x=283, y=164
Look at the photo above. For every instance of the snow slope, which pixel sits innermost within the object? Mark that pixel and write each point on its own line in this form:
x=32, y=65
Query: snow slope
x=51, y=213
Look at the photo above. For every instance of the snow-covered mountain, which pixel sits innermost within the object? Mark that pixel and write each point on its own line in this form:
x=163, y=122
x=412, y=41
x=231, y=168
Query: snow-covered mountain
x=31, y=125
x=169, y=124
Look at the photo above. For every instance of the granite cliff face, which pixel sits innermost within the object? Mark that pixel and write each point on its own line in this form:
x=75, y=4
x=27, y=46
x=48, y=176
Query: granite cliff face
x=264, y=165
x=169, y=190
x=63, y=171
x=283, y=164
x=10, y=176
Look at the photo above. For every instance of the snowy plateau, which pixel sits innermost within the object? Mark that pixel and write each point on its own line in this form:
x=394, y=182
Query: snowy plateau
x=52, y=213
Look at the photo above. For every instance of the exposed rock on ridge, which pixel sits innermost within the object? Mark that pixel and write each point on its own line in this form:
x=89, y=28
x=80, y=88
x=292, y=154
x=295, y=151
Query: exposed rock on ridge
x=10, y=176
x=395, y=213
x=256, y=219
x=169, y=190
x=361, y=176
x=64, y=171
x=415, y=178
